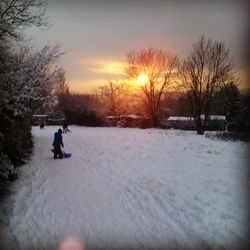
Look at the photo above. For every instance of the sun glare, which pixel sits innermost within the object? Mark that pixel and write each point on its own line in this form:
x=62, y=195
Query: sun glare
x=142, y=79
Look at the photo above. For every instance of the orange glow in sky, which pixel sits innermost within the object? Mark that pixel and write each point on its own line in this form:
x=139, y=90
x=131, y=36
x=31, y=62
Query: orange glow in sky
x=99, y=71
x=96, y=35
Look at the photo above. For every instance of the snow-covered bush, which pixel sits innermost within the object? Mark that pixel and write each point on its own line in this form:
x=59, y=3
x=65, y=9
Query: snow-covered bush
x=26, y=83
x=26, y=80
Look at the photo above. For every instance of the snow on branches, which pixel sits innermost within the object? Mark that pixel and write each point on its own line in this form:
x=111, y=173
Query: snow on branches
x=30, y=77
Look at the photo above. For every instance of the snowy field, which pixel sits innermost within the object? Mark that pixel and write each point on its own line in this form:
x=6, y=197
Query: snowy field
x=131, y=188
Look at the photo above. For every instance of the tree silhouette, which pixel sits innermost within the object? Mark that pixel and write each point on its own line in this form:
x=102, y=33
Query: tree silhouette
x=158, y=66
x=202, y=74
x=15, y=15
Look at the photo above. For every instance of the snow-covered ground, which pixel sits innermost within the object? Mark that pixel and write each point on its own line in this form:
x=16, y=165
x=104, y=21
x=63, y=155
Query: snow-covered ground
x=131, y=188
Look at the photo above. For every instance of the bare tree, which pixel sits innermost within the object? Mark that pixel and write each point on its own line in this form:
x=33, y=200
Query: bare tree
x=18, y=14
x=61, y=86
x=158, y=66
x=201, y=74
x=61, y=90
x=114, y=97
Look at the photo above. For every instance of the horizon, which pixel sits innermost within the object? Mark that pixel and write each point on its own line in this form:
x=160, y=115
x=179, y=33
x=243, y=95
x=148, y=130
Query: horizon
x=102, y=32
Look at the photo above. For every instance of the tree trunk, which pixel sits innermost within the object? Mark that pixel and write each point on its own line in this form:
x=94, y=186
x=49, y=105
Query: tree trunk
x=199, y=126
x=155, y=120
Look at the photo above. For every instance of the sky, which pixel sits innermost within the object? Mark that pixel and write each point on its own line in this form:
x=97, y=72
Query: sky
x=96, y=34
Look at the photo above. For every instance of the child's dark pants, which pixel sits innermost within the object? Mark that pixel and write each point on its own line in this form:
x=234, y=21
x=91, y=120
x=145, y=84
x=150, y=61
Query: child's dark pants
x=58, y=152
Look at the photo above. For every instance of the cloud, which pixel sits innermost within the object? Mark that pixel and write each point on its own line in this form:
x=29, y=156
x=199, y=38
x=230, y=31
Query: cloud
x=86, y=85
x=103, y=67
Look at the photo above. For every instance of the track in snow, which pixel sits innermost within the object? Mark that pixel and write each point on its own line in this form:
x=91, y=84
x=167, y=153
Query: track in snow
x=131, y=188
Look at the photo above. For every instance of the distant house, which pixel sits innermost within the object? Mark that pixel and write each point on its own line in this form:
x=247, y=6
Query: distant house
x=38, y=119
x=49, y=119
x=215, y=122
x=123, y=120
x=56, y=121
x=131, y=121
x=56, y=118
x=179, y=122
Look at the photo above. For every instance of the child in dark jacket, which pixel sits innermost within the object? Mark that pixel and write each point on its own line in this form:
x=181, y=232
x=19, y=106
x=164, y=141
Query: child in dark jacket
x=57, y=143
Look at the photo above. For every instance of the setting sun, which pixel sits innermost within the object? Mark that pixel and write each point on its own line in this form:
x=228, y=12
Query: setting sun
x=142, y=78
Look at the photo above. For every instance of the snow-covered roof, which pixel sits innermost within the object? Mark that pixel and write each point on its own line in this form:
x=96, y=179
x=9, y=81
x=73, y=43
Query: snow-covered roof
x=123, y=116
x=215, y=117
x=110, y=117
x=218, y=117
x=40, y=115
x=131, y=116
x=180, y=118
x=188, y=118
x=56, y=119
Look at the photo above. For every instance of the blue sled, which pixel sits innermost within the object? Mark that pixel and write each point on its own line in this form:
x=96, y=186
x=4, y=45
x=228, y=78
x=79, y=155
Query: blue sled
x=65, y=155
